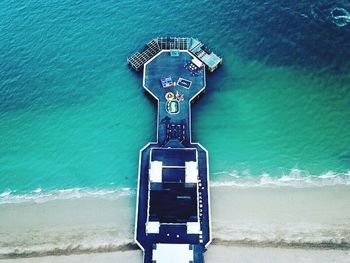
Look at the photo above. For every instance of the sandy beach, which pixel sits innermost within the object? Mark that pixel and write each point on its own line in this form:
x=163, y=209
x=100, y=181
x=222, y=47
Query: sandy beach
x=249, y=225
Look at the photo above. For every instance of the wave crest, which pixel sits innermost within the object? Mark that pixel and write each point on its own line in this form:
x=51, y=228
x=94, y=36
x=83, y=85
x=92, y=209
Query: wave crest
x=40, y=196
x=296, y=178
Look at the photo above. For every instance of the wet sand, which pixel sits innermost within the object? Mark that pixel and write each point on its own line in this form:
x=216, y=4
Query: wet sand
x=247, y=224
x=215, y=254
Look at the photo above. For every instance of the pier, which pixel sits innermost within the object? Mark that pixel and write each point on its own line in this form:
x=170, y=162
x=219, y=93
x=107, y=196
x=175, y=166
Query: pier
x=173, y=204
x=175, y=44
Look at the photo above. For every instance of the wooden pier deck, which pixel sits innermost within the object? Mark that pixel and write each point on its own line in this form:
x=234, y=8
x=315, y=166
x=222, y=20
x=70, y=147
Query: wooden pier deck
x=173, y=203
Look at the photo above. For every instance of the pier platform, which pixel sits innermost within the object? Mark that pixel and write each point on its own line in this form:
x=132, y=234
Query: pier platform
x=173, y=203
x=174, y=45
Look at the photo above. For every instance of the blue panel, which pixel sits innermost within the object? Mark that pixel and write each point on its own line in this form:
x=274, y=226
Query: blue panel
x=175, y=203
x=173, y=157
x=176, y=175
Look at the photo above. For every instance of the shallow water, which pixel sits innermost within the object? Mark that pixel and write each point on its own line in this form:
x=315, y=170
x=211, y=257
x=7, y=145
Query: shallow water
x=74, y=116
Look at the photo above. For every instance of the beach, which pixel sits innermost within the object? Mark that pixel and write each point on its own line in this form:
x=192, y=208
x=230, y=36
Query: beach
x=248, y=223
x=214, y=254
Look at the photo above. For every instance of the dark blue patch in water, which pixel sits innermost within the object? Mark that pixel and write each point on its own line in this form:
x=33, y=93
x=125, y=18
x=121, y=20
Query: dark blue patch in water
x=289, y=33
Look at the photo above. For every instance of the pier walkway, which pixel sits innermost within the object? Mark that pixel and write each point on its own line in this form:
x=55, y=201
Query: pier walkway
x=173, y=204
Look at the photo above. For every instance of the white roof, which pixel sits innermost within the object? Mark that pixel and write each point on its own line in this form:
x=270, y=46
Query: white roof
x=211, y=59
x=152, y=227
x=155, y=172
x=191, y=172
x=172, y=253
x=197, y=62
x=193, y=228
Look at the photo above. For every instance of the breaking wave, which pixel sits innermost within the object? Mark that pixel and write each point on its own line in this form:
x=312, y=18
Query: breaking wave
x=296, y=178
x=40, y=196
x=227, y=228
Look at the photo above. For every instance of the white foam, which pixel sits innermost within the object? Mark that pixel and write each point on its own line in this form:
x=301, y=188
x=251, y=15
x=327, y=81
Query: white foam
x=38, y=190
x=340, y=20
x=40, y=196
x=5, y=194
x=296, y=178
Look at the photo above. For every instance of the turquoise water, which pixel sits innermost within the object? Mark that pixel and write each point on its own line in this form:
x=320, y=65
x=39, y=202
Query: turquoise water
x=73, y=115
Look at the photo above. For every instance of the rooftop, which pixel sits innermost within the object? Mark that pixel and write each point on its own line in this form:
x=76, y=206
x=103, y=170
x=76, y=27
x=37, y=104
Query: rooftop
x=173, y=253
x=173, y=203
x=173, y=185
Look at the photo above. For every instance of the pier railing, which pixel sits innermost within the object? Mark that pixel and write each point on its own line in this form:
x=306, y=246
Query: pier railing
x=193, y=45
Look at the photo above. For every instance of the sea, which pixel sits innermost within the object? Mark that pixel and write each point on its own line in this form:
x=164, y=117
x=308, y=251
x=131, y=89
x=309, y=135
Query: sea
x=73, y=115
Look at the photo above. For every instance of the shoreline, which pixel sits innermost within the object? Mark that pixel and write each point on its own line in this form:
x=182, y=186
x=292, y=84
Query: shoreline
x=309, y=219
x=215, y=253
x=216, y=244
